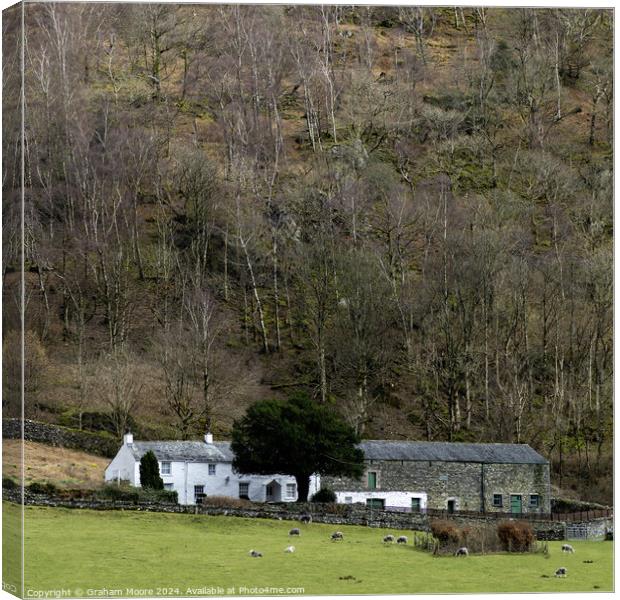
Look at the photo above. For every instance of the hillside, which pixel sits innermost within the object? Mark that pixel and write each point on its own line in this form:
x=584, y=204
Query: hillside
x=47, y=464
x=403, y=212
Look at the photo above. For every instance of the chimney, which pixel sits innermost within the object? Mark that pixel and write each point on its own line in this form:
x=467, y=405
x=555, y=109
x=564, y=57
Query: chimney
x=208, y=438
x=128, y=439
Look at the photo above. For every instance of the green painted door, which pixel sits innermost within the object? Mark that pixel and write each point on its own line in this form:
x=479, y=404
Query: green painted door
x=515, y=504
x=372, y=480
x=415, y=505
x=376, y=503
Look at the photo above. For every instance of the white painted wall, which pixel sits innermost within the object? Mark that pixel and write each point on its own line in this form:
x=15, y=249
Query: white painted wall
x=399, y=499
x=122, y=467
x=184, y=476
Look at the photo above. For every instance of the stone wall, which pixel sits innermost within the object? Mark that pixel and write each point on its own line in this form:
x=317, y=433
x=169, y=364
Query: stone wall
x=466, y=483
x=334, y=514
x=54, y=435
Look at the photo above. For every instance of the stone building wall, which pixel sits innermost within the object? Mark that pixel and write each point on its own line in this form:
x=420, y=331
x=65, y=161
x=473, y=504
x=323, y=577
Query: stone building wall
x=465, y=483
x=522, y=480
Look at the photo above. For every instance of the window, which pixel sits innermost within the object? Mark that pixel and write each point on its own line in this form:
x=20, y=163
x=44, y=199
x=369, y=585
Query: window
x=415, y=504
x=244, y=491
x=199, y=493
x=372, y=480
x=348, y=499
x=376, y=503
x=269, y=490
x=291, y=488
x=534, y=501
x=498, y=500
x=166, y=468
x=169, y=486
x=211, y=469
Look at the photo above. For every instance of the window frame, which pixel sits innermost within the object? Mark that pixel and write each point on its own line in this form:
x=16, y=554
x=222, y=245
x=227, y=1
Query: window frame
x=211, y=469
x=499, y=504
x=289, y=487
x=537, y=503
x=198, y=494
x=169, y=486
x=165, y=470
x=246, y=485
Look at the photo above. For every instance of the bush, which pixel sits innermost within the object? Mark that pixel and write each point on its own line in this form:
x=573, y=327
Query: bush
x=515, y=536
x=226, y=502
x=446, y=532
x=9, y=484
x=133, y=494
x=324, y=495
x=42, y=488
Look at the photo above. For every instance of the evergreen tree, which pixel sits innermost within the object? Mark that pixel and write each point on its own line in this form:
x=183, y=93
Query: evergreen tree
x=298, y=437
x=149, y=472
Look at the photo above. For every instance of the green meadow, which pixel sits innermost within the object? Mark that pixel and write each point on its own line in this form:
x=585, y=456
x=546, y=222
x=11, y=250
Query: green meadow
x=101, y=553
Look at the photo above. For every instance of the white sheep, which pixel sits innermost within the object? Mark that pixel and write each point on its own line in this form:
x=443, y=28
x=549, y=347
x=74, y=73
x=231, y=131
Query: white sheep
x=289, y=549
x=568, y=548
x=402, y=539
x=255, y=554
x=462, y=552
x=337, y=535
x=561, y=572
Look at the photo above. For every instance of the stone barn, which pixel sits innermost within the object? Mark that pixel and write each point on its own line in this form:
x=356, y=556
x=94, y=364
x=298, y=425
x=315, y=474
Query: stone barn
x=511, y=478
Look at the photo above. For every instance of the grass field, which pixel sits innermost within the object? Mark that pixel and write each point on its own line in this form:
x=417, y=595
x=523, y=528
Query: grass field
x=183, y=554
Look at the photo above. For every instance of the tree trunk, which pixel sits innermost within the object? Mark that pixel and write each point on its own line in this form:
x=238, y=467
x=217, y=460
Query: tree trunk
x=303, y=486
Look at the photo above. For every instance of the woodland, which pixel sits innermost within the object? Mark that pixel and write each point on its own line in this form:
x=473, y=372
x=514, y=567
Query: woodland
x=405, y=213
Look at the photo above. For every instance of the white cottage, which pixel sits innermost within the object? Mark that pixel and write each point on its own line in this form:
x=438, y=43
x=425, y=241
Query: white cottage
x=198, y=469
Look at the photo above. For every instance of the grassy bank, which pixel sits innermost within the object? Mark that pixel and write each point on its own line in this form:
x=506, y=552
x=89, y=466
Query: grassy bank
x=122, y=550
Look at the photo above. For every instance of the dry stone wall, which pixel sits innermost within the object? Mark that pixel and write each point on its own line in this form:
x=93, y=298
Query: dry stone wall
x=54, y=435
x=339, y=514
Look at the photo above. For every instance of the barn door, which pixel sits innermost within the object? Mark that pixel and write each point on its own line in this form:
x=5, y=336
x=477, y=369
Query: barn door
x=515, y=504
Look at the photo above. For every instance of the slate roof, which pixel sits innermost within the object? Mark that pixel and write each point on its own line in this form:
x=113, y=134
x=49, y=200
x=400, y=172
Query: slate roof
x=452, y=452
x=373, y=450
x=217, y=452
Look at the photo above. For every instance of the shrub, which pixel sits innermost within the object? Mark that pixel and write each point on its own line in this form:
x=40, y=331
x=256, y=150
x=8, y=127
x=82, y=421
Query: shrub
x=42, y=488
x=134, y=494
x=324, y=495
x=117, y=493
x=446, y=532
x=226, y=502
x=9, y=484
x=515, y=536
x=149, y=472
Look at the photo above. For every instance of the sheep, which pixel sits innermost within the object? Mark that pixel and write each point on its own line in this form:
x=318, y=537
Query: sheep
x=337, y=535
x=294, y=531
x=568, y=548
x=402, y=539
x=561, y=572
x=306, y=519
x=255, y=554
x=388, y=539
x=462, y=552
x=289, y=549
